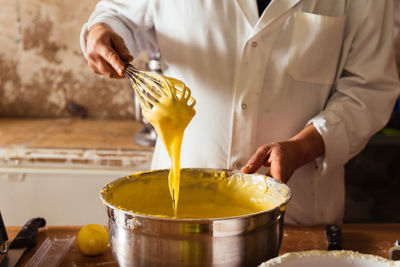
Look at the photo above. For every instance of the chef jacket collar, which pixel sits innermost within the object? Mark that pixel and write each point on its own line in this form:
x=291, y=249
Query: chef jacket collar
x=275, y=9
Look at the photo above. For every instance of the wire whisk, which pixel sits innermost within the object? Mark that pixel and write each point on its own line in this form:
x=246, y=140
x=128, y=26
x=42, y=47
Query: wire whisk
x=150, y=87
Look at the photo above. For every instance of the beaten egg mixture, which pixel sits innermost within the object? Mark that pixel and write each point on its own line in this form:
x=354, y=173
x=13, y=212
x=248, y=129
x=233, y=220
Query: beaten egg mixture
x=170, y=113
x=203, y=194
x=170, y=117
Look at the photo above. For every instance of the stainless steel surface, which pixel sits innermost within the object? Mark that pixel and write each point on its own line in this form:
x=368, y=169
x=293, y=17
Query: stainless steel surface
x=150, y=87
x=147, y=136
x=138, y=110
x=249, y=240
x=3, y=248
x=153, y=65
x=394, y=252
x=3, y=236
x=12, y=257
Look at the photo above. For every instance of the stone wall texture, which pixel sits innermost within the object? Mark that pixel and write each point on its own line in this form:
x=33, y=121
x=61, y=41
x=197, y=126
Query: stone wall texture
x=42, y=70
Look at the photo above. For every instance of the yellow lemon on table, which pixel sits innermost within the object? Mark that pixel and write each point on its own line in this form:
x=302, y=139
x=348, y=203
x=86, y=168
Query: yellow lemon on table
x=92, y=239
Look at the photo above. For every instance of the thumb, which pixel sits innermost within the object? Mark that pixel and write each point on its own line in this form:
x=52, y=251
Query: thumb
x=120, y=47
x=249, y=168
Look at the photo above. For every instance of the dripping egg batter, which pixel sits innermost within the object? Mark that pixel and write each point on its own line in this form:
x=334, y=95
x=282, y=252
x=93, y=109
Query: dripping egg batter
x=199, y=196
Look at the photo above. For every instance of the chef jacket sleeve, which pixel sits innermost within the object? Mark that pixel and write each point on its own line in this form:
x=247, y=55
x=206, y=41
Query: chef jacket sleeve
x=132, y=20
x=365, y=91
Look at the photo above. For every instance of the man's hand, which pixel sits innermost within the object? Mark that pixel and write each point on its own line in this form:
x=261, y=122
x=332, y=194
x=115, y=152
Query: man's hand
x=283, y=158
x=105, y=51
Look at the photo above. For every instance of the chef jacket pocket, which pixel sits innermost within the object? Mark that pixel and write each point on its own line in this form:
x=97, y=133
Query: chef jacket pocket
x=315, y=47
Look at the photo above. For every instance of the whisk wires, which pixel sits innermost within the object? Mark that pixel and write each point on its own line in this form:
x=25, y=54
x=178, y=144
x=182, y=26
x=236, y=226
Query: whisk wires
x=150, y=87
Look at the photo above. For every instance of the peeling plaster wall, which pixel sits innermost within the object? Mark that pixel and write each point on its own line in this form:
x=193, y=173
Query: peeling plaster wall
x=42, y=68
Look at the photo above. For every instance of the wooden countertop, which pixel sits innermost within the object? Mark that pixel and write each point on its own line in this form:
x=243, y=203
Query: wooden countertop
x=81, y=143
x=69, y=133
x=374, y=239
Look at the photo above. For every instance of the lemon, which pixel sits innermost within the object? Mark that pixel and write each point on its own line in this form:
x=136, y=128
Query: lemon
x=92, y=239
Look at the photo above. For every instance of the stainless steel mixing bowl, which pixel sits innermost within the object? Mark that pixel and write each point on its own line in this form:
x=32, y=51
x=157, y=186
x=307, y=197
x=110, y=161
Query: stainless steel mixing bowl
x=144, y=240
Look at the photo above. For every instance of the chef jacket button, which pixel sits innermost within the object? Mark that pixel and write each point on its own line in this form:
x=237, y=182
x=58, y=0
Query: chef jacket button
x=244, y=106
x=238, y=165
x=254, y=44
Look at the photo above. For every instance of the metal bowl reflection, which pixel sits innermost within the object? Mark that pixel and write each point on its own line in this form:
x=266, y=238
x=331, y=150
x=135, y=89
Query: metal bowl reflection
x=145, y=240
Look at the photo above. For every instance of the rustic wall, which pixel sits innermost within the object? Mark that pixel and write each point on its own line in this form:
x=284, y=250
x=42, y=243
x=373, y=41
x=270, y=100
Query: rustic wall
x=42, y=69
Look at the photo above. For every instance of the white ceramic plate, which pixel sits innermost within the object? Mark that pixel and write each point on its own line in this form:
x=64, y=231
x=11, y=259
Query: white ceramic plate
x=319, y=258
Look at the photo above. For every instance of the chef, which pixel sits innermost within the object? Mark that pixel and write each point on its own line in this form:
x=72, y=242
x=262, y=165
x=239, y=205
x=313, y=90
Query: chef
x=299, y=86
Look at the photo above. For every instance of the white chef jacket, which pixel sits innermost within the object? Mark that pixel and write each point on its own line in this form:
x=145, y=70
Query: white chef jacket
x=263, y=79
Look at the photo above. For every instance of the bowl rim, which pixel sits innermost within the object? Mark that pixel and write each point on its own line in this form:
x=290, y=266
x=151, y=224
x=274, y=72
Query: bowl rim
x=196, y=220
x=345, y=254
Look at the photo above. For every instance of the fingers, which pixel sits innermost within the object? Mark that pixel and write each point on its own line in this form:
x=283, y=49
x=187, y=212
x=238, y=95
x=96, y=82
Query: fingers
x=257, y=160
x=276, y=156
x=113, y=60
x=277, y=172
x=106, y=50
x=102, y=67
x=121, y=48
